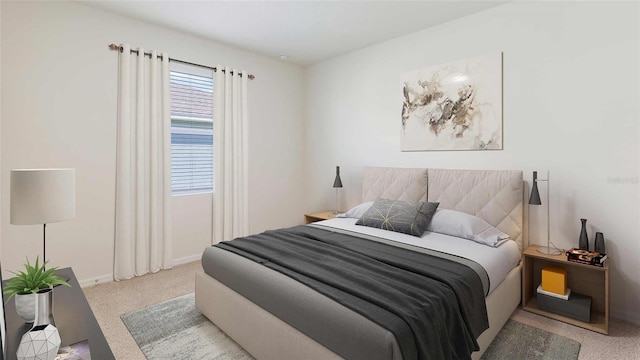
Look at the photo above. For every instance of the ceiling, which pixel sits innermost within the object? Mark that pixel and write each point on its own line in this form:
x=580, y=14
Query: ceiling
x=306, y=31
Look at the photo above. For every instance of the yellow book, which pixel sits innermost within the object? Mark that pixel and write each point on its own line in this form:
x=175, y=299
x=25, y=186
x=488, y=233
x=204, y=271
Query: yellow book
x=554, y=280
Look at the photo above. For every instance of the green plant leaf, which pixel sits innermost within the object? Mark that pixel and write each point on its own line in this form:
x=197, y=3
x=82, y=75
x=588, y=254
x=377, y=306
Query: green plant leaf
x=37, y=277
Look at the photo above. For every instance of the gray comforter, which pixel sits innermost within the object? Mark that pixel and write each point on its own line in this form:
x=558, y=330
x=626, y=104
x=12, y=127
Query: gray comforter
x=434, y=307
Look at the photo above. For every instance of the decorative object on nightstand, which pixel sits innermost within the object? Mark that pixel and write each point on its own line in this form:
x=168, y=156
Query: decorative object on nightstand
x=554, y=280
x=534, y=199
x=40, y=343
x=586, y=257
x=554, y=296
x=42, y=196
x=28, y=285
x=337, y=184
x=576, y=307
x=74, y=319
x=583, y=242
x=599, y=243
x=43, y=340
x=564, y=296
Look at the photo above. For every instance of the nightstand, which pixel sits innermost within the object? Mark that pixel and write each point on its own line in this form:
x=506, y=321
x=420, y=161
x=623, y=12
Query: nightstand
x=319, y=216
x=583, y=279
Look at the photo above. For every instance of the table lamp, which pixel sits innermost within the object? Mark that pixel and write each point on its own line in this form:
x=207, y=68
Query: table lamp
x=534, y=199
x=42, y=196
x=337, y=184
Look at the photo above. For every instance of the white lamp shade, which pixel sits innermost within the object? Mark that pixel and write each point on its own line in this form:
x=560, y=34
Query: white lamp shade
x=42, y=196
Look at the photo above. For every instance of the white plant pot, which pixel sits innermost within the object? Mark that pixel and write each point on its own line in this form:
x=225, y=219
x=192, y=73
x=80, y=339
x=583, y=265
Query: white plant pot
x=26, y=307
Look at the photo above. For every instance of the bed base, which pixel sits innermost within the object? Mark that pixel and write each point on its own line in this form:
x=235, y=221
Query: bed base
x=267, y=337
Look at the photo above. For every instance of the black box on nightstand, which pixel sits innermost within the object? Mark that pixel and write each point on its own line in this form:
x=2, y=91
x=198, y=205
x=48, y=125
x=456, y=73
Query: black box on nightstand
x=577, y=307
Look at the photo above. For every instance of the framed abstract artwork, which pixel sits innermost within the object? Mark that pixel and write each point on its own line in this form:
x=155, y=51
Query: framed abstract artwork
x=454, y=106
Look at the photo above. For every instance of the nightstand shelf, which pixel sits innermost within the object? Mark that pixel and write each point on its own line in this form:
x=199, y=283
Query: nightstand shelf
x=319, y=216
x=583, y=279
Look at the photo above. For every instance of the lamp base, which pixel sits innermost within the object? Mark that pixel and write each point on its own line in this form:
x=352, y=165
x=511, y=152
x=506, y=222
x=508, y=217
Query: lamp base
x=549, y=250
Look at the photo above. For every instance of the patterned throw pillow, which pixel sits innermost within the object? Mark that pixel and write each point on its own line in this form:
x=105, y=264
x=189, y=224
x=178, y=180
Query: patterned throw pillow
x=411, y=218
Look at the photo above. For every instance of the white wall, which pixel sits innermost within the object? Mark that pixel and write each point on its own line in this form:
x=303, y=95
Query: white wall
x=59, y=91
x=570, y=107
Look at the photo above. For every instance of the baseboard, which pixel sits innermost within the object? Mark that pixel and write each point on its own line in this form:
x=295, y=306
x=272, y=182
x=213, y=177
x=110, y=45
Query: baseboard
x=187, y=259
x=96, y=280
x=109, y=277
x=626, y=317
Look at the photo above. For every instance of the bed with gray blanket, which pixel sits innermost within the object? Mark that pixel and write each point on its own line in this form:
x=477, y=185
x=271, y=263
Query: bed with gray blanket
x=318, y=292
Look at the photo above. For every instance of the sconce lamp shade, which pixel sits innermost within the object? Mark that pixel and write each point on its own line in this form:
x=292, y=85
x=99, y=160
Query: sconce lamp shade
x=534, y=199
x=42, y=196
x=337, y=183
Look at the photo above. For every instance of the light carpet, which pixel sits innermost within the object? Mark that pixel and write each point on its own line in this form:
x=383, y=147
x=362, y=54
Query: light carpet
x=175, y=329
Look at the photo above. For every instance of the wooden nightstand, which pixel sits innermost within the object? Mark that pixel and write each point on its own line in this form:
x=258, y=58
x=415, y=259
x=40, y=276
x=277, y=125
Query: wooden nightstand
x=583, y=279
x=319, y=216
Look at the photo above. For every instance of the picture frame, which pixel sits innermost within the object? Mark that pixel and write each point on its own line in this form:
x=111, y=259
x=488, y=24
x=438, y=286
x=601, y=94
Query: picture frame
x=453, y=106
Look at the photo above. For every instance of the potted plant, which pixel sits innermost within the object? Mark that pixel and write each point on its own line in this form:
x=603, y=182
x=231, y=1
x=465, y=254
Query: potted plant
x=27, y=283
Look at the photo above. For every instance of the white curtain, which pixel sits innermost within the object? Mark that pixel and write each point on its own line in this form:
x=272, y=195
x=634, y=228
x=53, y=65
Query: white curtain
x=231, y=183
x=143, y=166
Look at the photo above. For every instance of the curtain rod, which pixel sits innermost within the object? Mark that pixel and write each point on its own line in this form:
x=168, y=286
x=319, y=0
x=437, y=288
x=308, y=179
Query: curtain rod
x=119, y=48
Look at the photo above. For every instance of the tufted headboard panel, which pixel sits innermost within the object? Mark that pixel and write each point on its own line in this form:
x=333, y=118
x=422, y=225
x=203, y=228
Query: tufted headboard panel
x=495, y=196
x=394, y=183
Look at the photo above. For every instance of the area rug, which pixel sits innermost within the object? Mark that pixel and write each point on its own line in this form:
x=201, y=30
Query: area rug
x=174, y=329
x=519, y=341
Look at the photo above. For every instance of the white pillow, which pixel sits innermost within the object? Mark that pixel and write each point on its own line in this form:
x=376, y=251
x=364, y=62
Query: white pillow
x=467, y=226
x=357, y=211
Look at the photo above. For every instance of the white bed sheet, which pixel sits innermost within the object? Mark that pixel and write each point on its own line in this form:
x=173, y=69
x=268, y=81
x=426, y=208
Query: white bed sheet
x=498, y=262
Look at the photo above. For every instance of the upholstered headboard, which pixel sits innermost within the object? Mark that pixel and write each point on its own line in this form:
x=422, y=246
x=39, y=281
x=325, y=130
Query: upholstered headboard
x=395, y=184
x=495, y=196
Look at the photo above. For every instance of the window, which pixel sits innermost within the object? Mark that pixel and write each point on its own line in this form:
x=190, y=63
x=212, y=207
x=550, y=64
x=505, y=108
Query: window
x=191, y=89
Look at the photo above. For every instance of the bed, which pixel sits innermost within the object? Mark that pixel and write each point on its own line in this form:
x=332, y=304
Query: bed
x=302, y=323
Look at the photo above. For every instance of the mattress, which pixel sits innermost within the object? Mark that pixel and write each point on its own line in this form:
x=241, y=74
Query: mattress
x=319, y=317
x=497, y=262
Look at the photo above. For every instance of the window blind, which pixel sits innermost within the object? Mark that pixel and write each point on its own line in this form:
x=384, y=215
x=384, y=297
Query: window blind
x=191, y=130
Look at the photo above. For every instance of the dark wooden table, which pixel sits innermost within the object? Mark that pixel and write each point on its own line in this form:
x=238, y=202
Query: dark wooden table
x=73, y=316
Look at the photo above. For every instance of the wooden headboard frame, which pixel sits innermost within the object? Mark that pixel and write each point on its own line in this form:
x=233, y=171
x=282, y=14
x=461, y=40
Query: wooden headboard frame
x=496, y=196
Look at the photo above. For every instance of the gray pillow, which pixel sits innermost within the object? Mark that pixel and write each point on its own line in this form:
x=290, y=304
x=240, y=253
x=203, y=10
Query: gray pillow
x=411, y=218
